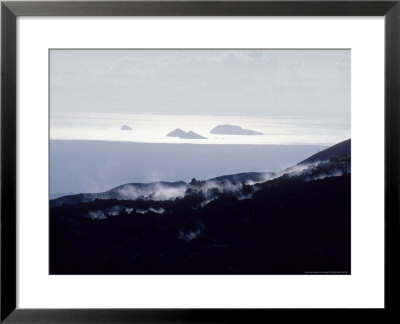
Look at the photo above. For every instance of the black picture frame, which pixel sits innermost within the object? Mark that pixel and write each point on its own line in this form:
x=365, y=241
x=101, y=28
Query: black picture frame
x=10, y=10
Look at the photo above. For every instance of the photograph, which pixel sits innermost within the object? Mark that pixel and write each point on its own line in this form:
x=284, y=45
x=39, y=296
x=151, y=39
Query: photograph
x=199, y=161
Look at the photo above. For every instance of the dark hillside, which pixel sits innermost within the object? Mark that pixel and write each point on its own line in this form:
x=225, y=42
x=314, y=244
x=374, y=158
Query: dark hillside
x=338, y=150
x=295, y=222
x=291, y=228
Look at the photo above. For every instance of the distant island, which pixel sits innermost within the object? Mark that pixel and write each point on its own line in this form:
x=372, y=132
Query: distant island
x=233, y=130
x=126, y=127
x=186, y=135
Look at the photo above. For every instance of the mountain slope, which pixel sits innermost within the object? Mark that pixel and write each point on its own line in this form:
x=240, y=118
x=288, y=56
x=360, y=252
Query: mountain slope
x=131, y=191
x=245, y=177
x=164, y=190
x=338, y=150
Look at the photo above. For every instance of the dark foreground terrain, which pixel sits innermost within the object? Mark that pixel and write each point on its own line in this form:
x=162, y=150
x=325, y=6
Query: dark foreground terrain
x=293, y=223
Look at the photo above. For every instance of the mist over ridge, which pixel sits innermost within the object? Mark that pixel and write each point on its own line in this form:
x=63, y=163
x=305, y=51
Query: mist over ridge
x=96, y=166
x=331, y=162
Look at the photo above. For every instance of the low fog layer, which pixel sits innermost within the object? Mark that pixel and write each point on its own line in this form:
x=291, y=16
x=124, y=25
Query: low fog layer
x=95, y=166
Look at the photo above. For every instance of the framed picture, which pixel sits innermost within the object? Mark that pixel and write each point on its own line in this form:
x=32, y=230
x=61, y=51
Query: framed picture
x=191, y=161
x=214, y=162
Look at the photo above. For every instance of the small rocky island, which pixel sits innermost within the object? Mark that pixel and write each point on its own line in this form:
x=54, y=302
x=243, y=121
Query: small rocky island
x=186, y=135
x=233, y=130
x=125, y=127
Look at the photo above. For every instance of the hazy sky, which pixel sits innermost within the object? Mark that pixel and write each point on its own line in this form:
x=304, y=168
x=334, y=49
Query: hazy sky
x=283, y=83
